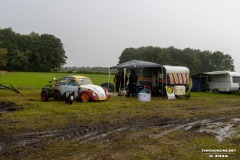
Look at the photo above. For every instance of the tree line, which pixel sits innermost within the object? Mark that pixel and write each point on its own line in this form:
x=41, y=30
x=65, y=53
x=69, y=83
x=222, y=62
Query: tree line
x=32, y=52
x=196, y=60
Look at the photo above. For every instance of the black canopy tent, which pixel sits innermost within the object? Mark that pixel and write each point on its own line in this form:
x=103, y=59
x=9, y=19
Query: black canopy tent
x=134, y=64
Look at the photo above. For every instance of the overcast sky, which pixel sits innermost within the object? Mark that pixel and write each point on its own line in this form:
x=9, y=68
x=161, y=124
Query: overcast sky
x=95, y=32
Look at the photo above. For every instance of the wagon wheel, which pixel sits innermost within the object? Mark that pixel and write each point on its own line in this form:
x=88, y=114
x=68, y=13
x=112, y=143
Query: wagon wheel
x=85, y=97
x=44, y=96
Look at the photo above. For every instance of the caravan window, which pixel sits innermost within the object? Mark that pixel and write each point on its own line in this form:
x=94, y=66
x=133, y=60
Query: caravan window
x=236, y=79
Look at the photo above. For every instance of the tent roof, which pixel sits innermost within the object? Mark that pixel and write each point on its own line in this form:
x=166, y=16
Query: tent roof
x=136, y=64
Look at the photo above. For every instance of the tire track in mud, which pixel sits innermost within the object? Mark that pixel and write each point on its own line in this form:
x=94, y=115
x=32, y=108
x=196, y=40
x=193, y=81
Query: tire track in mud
x=6, y=106
x=83, y=134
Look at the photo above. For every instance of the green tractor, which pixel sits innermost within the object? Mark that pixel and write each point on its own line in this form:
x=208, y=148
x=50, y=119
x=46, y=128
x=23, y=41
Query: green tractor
x=48, y=91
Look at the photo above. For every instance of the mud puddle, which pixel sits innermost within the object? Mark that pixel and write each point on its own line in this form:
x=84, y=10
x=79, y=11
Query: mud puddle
x=222, y=130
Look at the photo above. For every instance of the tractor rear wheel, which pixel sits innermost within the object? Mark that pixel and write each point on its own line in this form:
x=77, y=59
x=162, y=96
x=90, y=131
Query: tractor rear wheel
x=44, y=96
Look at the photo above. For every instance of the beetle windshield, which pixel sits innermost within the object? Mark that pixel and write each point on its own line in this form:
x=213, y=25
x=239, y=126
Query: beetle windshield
x=84, y=81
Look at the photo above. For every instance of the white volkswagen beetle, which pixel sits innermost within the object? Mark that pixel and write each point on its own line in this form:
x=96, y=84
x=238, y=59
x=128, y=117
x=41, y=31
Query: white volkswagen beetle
x=80, y=87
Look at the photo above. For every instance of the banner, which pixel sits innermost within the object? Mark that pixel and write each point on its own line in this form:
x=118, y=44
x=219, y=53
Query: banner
x=170, y=92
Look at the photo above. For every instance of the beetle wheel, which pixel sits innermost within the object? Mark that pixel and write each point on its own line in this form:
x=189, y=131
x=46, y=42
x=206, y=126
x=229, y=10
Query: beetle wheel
x=85, y=97
x=44, y=96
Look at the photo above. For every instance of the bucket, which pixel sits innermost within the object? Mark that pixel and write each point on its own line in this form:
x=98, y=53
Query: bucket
x=144, y=97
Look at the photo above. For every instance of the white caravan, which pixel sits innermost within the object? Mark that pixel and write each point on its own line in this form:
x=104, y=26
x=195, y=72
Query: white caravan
x=222, y=81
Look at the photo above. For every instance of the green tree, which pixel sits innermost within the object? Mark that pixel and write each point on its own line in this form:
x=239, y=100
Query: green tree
x=18, y=61
x=127, y=54
x=190, y=60
x=32, y=52
x=196, y=60
x=51, y=52
x=165, y=56
x=7, y=39
x=205, y=62
x=219, y=61
x=3, y=58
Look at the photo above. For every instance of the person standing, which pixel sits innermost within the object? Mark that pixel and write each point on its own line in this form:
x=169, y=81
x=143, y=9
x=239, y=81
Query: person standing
x=117, y=81
x=132, y=82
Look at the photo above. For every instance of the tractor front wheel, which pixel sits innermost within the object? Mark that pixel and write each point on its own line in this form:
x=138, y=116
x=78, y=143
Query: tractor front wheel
x=44, y=96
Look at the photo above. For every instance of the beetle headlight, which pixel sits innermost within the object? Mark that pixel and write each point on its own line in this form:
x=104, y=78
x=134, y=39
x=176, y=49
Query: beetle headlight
x=106, y=92
x=94, y=94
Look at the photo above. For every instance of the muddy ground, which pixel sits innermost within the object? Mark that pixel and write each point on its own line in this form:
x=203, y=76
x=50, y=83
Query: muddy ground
x=221, y=128
x=6, y=106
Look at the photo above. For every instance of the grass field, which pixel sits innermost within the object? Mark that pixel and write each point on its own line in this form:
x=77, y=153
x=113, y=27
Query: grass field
x=121, y=128
x=36, y=80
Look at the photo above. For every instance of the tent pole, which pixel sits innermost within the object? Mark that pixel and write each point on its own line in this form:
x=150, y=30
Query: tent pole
x=124, y=75
x=200, y=82
x=166, y=77
x=162, y=80
x=109, y=70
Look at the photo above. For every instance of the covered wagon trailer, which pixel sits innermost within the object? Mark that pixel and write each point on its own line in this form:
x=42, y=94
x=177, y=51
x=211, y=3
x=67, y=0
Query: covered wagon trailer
x=166, y=75
x=222, y=81
x=177, y=77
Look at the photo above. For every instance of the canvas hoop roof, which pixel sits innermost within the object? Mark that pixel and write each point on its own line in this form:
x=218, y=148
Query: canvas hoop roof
x=176, y=69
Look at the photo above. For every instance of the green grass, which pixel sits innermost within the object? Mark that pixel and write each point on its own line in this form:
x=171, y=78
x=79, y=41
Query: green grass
x=38, y=114
x=135, y=144
x=36, y=80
